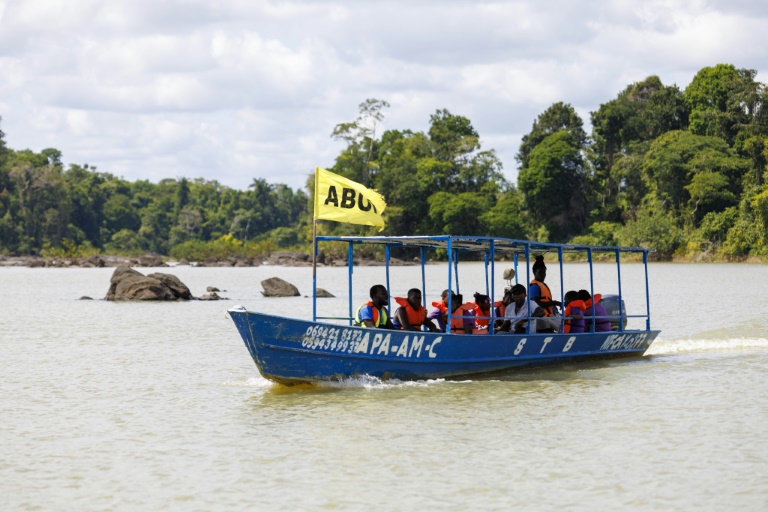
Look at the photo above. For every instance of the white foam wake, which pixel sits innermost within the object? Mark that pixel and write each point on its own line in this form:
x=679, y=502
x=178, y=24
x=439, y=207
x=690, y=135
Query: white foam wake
x=675, y=346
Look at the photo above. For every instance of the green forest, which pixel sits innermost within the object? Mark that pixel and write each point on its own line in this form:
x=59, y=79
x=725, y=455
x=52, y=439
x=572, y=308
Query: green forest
x=679, y=171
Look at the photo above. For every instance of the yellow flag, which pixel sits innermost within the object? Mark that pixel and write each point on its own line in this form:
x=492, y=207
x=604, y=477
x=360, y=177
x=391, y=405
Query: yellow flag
x=343, y=200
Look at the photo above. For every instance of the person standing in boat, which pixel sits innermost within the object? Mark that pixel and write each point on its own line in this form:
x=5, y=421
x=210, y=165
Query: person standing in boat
x=542, y=296
x=374, y=312
x=411, y=315
x=517, y=313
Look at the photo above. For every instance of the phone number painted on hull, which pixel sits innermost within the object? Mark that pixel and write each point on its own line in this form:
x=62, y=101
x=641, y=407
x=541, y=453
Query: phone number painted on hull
x=359, y=341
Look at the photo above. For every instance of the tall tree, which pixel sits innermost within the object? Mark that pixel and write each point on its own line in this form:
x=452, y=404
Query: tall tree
x=624, y=127
x=553, y=184
x=725, y=101
x=558, y=117
x=358, y=160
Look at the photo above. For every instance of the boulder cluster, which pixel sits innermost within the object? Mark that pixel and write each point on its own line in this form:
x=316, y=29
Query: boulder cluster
x=129, y=284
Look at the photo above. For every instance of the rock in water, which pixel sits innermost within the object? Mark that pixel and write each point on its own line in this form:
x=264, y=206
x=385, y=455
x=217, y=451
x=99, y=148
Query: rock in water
x=322, y=292
x=128, y=284
x=276, y=287
x=179, y=289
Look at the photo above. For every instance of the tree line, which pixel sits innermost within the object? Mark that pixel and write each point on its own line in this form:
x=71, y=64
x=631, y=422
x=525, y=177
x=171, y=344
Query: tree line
x=680, y=171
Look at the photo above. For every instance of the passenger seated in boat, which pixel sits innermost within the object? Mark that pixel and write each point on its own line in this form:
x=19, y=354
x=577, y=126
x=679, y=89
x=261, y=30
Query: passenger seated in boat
x=506, y=300
x=411, y=315
x=483, y=309
x=516, y=315
x=592, y=308
x=574, y=312
x=462, y=318
x=465, y=321
x=374, y=313
x=440, y=311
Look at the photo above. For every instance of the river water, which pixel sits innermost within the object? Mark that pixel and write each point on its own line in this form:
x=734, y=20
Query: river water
x=138, y=406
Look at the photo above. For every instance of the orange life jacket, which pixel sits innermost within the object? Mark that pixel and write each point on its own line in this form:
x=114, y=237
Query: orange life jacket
x=499, y=304
x=442, y=307
x=545, y=295
x=573, y=304
x=481, y=324
x=457, y=320
x=415, y=317
x=596, y=298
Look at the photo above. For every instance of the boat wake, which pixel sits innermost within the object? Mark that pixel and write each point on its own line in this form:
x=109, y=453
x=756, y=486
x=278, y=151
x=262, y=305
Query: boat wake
x=249, y=382
x=706, y=344
x=370, y=383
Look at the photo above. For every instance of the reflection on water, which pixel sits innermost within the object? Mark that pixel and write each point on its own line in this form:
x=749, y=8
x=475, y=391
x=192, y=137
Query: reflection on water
x=159, y=406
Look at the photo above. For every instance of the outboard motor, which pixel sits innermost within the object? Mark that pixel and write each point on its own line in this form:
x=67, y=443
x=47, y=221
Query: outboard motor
x=611, y=305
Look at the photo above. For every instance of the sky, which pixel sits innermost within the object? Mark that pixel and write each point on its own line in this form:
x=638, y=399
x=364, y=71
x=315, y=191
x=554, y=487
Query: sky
x=234, y=90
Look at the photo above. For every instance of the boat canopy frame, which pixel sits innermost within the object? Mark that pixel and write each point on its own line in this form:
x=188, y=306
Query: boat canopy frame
x=454, y=245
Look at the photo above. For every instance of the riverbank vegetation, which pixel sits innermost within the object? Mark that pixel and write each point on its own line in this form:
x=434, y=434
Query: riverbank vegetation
x=681, y=171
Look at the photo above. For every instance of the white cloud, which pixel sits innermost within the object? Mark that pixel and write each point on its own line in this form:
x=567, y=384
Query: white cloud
x=240, y=89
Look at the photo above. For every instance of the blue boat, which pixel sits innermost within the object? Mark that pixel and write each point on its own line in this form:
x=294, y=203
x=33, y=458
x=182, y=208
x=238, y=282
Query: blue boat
x=290, y=350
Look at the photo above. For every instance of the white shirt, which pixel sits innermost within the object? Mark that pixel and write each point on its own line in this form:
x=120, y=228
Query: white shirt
x=522, y=314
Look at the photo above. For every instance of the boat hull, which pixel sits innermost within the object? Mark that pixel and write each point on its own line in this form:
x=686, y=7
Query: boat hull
x=290, y=351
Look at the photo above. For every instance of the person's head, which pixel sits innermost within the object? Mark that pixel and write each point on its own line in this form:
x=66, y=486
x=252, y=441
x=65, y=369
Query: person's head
x=539, y=268
x=518, y=294
x=584, y=295
x=483, y=301
x=379, y=295
x=444, y=296
x=570, y=296
x=414, y=298
x=456, y=301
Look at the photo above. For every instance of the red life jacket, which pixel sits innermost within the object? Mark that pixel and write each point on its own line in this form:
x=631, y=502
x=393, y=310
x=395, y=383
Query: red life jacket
x=573, y=304
x=415, y=317
x=545, y=295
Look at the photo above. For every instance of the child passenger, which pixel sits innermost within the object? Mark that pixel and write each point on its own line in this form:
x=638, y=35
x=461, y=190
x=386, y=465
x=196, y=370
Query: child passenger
x=574, y=312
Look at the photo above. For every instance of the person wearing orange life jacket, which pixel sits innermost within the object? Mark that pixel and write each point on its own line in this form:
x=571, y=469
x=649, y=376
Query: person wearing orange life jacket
x=482, y=312
x=462, y=317
x=411, y=315
x=440, y=311
x=539, y=293
x=574, y=313
x=594, y=310
x=374, y=313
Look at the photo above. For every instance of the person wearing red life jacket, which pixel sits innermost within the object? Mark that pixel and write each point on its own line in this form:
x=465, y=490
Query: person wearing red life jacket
x=411, y=315
x=574, y=313
x=374, y=312
x=593, y=309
